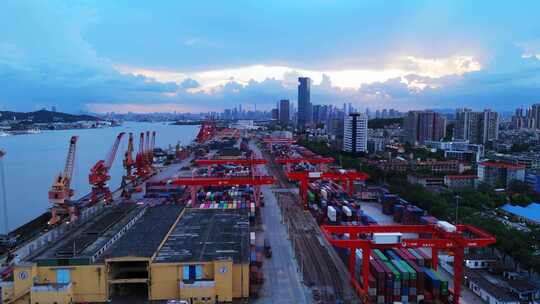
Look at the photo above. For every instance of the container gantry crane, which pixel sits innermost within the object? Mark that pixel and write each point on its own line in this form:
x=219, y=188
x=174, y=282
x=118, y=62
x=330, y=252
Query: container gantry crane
x=194, y=182
x=252, y=163
x=321, y=162
x=129, y=165
x=99, y=174
x=454, y=238
x=347, y=177
x=61, y=191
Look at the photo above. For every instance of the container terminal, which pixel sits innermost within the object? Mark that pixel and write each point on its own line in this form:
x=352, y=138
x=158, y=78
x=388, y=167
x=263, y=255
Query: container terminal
x=238, y=216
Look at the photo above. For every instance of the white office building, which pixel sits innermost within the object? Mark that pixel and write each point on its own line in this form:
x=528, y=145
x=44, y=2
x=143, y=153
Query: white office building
x=355, y=133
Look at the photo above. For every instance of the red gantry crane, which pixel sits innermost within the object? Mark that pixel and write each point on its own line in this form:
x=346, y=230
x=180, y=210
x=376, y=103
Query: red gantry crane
x=140, y=163
x=320, y=162
x=99, y=174
x=252, y=163
x=444, y=236
x=194, y=182
x=61, y=191
x=347, y=177
x=270, y=141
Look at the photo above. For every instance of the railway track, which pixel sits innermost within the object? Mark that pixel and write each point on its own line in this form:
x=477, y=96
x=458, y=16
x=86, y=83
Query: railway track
x=323, y=271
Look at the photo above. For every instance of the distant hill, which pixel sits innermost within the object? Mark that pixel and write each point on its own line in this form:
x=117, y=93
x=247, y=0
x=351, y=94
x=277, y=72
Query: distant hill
x=44, y=116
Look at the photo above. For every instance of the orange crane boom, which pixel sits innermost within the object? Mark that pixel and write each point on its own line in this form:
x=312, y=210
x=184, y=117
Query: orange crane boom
x=99, y=174
x=61, y=188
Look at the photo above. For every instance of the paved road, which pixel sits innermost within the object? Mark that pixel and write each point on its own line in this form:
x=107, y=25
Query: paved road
x=283, y=282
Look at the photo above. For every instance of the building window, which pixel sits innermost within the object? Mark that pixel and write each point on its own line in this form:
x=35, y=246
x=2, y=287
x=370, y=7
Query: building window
x=192, y=272
x=63, y=276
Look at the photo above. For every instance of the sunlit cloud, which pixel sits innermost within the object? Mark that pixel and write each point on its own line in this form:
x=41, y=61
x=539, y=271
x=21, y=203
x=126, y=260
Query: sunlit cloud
x=211, y=80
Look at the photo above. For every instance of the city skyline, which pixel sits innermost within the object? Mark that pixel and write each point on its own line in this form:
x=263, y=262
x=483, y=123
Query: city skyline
x=104, y=57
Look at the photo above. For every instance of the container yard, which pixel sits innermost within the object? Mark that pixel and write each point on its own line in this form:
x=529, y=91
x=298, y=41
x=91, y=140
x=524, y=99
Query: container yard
x=400, y=262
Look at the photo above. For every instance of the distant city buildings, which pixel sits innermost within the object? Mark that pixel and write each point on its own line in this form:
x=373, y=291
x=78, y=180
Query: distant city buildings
x=421, y=126
x=305, y=114
x=527, y=119
x=355, y=133
x=476, y=127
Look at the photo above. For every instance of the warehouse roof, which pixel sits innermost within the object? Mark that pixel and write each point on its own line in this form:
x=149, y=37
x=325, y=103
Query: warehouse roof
x=204, y=235
x=143, y=239
x=531, y=212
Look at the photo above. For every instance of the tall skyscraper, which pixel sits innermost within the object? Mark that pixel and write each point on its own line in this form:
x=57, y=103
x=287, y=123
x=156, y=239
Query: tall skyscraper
x=305, y=115
x=424, y=125
x=284, y=112
x=355, y=133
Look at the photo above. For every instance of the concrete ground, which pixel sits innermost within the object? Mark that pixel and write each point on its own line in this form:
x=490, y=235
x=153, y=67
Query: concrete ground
x=283, y=281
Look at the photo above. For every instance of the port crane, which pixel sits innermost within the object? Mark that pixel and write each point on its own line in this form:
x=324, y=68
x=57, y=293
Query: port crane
x=129, y=165
x=346, y=177
x=206, y=131
x=99, y=174
x=3, y=183
x=453, y=238
x=145, y=155
x=61, y=191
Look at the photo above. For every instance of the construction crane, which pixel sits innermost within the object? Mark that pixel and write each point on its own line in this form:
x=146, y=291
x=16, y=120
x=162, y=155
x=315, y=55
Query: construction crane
x=61, y=191
x=4, y=199
x=444, y=236
x=129, y=164
x=99, y=174
x=347, y=177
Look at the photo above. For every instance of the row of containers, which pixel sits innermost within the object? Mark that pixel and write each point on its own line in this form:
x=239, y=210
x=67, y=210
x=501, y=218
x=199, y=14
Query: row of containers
x=406, y=213
x=329, y=204
x=223, y=198
x=256, y=259
x=400, y=275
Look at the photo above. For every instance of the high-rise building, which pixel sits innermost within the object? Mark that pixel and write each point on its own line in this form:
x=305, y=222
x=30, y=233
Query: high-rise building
x=355, y=133
x=284, y=112
x=461, y=127
x=533, y=117
x=424, y=125
x=476, y=127
x=305, y=115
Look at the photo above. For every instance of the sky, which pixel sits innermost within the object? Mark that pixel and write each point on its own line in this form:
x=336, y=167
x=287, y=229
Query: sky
x=158, y=56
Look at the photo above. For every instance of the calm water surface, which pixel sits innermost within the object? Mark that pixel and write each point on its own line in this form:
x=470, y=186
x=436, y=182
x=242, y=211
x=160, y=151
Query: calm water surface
x=33, y=160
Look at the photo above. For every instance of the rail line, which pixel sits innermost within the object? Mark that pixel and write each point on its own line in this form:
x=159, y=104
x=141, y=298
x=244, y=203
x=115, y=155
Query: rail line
x=322, y=269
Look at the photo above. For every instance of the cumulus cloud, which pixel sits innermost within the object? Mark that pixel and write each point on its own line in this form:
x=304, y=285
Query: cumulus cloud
x=78, y=57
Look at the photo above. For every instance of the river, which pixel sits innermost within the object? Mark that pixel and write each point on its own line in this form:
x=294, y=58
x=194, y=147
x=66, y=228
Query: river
x=32, y=161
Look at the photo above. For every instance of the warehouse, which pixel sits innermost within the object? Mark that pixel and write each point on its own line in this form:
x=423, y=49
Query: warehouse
x=205, y=257
x=141, y=252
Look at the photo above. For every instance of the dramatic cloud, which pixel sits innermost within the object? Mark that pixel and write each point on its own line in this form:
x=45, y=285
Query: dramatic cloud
x=200, y=55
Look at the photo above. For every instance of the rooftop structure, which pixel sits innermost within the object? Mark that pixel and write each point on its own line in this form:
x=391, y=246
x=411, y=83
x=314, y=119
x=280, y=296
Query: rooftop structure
x=207, y=235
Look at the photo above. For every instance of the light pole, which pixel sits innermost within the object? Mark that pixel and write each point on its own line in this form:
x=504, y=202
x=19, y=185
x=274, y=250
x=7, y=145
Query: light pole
x=457, y=197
